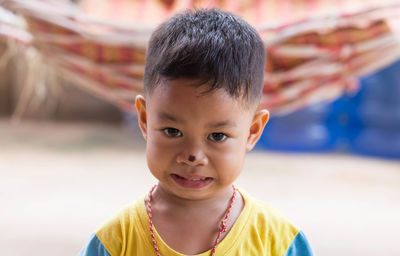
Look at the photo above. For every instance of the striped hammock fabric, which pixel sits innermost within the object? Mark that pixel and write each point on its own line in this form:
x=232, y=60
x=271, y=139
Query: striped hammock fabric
x=315, y=49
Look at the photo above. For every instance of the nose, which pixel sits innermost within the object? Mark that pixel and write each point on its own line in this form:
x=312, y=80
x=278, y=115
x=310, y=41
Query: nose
x=192, y=155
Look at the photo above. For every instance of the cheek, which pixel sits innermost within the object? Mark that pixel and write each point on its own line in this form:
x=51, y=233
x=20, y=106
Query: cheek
x=230, y=163
x=158, y=155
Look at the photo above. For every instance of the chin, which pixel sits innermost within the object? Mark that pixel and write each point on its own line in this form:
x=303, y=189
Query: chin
x=193, y=194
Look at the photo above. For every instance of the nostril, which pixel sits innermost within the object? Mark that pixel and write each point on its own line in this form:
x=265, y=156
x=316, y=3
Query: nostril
x=192, y=158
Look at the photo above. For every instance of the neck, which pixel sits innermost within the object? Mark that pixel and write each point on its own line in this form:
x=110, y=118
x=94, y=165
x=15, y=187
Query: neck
x=166, y=200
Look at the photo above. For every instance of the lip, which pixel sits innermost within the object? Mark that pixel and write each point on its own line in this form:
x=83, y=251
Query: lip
x=191, y=181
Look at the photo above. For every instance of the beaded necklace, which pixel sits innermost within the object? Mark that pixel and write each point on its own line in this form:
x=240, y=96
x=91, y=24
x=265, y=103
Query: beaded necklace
x=222, y=227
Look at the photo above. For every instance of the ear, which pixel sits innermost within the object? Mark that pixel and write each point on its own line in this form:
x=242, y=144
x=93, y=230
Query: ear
x=142, y=115
x=260, y=119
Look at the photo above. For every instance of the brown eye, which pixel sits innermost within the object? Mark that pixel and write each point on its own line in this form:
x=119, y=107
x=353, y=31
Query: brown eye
x=172, y=132
x=217, y=136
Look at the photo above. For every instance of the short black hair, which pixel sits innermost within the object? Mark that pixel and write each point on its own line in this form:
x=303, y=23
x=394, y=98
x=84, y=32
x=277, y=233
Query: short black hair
x=209, y=45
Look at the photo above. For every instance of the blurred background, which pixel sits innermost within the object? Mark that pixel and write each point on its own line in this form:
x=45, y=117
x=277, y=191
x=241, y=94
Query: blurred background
x=71, y=153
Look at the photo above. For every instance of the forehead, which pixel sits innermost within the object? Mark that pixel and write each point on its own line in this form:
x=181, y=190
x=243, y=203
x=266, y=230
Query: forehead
x=185, y=97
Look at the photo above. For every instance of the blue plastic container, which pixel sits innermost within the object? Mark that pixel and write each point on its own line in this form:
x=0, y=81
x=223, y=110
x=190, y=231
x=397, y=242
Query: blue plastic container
x=366, y=123
x=304, y=130
x=377, y=108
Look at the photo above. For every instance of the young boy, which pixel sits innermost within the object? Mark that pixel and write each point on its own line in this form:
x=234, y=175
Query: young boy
x=202, y=86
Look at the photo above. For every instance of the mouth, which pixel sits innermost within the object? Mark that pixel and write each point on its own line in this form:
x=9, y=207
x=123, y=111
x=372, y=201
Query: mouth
x=191, y=181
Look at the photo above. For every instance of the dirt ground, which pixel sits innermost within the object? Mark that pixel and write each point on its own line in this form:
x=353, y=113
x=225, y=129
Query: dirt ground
x=58, y=182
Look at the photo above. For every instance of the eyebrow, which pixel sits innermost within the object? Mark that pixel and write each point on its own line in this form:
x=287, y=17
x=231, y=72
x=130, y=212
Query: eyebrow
x=165, y=116
x=226, y=123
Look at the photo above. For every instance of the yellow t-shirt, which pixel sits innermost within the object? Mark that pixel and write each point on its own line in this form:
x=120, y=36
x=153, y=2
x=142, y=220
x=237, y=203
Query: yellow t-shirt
x=259, y=230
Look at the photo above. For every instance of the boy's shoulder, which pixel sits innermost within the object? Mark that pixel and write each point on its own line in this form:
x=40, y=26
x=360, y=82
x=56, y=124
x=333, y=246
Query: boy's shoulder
x=124, y=216
x=276, y=233
x=127, y=226
x=267, y=215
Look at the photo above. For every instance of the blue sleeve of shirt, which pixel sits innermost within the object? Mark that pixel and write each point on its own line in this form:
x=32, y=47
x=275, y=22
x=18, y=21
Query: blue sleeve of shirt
x=94, y=248
x=300, y=246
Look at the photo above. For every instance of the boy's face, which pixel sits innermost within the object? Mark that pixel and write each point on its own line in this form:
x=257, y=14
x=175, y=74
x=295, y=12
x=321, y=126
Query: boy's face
x=196, y=141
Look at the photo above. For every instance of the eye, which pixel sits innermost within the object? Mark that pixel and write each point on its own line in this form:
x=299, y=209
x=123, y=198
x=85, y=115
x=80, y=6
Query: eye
x=172, y=132
x=217, y=136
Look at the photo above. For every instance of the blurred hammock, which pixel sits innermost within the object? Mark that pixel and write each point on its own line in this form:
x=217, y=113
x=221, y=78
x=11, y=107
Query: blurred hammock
x=100, y=45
